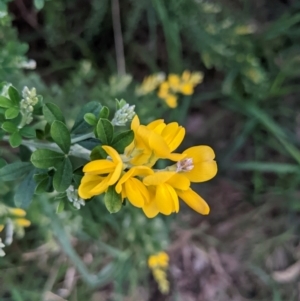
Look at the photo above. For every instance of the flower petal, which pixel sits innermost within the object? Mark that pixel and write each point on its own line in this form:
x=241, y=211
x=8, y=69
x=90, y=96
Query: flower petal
x=115, y=175
x=179, y=181
x=195, y=201
x=158, y=178
x=134, y=171
x=150, y=209
x=200, y=153
x=135, y=123
x=152, y=125
x=99, y=167
x=158, y=145
x=101, y=187
x=166, y=199
x=177, y=139
x=112, y=153
x=202, y=172
x=136, y=192
x=176, y=157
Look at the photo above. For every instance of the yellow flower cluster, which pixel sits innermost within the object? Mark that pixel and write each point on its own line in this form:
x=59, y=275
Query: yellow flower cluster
x=185, y=85
x=169, y=88
x=150, y=83
x=16, y=215
x=132, y=175
x=158, y=264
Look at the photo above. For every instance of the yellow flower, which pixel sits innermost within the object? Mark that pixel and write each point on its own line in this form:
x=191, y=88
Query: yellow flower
x=133, y=188
x=150, y=83
x=1, y=227
x=185, y=85
x=155, y=141
x=17, y=212
x=171, y=100
x=159, y=263
x=160, y=259
x=199, y=164
x=22, y=222
x=100, y=174
x=163, y=188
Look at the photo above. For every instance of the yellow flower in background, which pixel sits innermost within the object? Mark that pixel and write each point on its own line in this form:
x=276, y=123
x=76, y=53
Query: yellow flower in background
x=159, y=263
x=150, y=83
x=175, y=84
x=15, y=216
x=100, y=174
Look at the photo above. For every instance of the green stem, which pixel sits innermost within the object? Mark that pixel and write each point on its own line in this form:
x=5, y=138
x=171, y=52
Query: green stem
x=82, y=137
x=76, y=150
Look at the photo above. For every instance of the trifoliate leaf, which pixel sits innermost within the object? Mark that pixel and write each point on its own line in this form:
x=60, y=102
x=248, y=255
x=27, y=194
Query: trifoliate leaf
x=12, y=113
x=15, y=140
x=113, y=200
x=28, y=132
x=9, y=127
x=46, y=158
x=105, y=131
x=5, y=102
x=14, y=95
x=61, y=135
x=25, y=191
x=15, y=171
x=52, y=112
x=63, y=176
x=80, y=126
x=122, y=140
x=104, y=113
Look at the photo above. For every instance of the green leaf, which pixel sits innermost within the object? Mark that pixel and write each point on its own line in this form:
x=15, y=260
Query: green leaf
x=14, y=95
x=61, y=135
x=27, y=132
x=122, y=140
x=5, y=102
x=80, y=126
x=46, y=158
x=63, y=176
x=25, y=191
x=113, y=200
x=2, y=162
x=105, y=131
x=15, y=171
x=9, y=127
x=90, y=119
x=98, y=153
x=44, y=186
x=104, y=113
x=12, y=113
x=60, y=207
x=15, y=140
x=52, y=112
x=39, y=4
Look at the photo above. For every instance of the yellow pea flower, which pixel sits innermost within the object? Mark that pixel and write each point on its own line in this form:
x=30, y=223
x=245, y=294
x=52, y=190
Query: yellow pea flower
x=164, y=186
x=1, y=227
x=155, y=141
x=133, y=188
x=150, y=83
x=199, y=164
x=93, y=182
x=17, y=212
x=22, y=222
x=159, y=263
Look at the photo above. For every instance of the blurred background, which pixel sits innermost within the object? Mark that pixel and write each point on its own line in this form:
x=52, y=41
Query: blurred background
x=246, y=109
